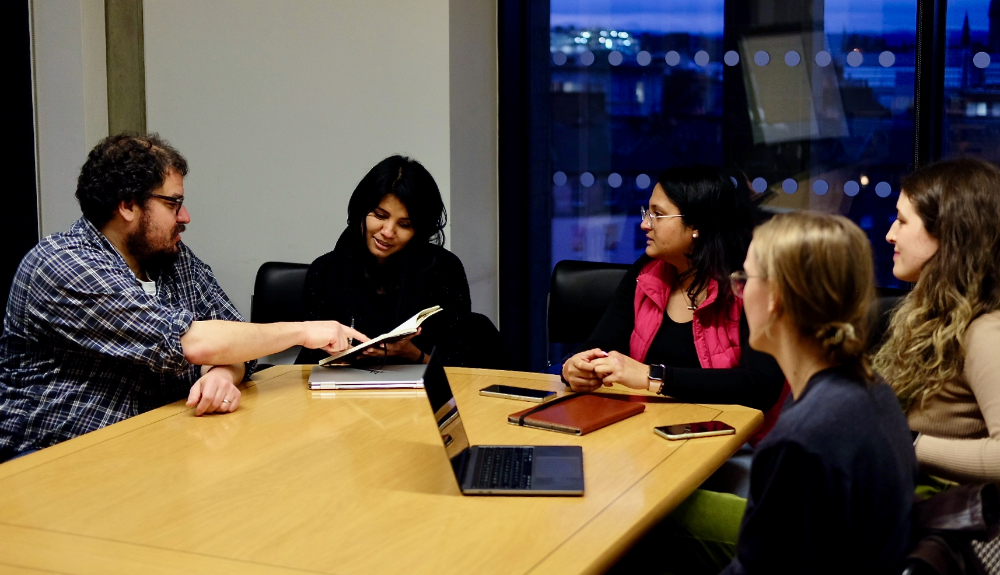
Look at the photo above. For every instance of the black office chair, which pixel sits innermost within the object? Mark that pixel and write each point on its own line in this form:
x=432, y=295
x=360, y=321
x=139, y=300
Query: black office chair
x=578, y=296
x=888, y=299
x=277, y=294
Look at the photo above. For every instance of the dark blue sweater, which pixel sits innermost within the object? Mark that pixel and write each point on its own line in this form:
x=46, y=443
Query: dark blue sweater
x=831, y=486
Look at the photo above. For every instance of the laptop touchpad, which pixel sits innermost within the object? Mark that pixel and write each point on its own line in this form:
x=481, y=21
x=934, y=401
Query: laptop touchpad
x=562, y=467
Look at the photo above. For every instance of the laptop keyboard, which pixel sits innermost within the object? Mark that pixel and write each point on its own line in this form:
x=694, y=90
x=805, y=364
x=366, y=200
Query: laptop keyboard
x=503, y=468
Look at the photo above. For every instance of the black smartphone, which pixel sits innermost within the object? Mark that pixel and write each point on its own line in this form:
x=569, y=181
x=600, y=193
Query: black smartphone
x=522, y=393
x=699, y=429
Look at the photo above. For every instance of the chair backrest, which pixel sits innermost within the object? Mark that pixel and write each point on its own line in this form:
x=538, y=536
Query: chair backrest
x=277, y=292
x=578, y=296
x=888, y=299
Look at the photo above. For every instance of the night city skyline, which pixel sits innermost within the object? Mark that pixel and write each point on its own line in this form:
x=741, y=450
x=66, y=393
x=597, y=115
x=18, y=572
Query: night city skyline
x=705, y=16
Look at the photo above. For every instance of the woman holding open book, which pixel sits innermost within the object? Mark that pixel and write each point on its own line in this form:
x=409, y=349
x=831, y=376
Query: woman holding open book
x=389, y=264
x=674, y=326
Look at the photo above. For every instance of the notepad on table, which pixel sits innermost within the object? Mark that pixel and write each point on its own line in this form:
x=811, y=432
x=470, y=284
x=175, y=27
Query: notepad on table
x=576, y=414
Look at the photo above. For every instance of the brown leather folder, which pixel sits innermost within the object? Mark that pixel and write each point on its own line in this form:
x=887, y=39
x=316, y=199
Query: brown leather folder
x=576, y=414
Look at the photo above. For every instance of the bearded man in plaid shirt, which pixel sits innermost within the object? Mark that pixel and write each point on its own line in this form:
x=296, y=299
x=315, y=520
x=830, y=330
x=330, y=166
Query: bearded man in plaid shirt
x=117, y=316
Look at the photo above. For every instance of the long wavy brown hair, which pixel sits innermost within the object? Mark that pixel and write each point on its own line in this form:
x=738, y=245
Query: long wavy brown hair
x=958, y=202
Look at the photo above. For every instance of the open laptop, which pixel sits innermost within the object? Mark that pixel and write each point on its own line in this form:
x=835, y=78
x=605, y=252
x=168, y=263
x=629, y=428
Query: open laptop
x=392, y=376
x=499, y=469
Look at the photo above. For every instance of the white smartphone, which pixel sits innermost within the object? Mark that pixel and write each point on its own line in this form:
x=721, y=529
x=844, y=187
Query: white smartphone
x=522, y=393
x=690, y=430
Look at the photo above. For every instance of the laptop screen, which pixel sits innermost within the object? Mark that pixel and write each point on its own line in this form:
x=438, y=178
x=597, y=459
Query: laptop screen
x=456, y=442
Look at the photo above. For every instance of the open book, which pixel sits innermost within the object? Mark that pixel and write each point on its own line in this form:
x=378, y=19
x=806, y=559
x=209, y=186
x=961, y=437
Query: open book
x=408, y=327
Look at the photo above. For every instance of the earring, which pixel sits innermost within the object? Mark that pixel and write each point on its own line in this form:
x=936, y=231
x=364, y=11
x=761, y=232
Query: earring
x=695, y=235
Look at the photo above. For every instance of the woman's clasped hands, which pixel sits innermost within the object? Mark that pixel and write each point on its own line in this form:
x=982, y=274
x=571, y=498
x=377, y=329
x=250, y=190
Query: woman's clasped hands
x=591, y=369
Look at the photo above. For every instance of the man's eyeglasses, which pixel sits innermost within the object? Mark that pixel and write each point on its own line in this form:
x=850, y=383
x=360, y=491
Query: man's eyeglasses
x=653, y=217
x=738, y=281
x=175, y=202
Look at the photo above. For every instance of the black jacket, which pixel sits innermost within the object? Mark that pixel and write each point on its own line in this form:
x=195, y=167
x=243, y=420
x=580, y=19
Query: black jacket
x=344, y=285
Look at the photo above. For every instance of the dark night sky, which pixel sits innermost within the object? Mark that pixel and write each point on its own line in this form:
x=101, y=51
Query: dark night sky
x=705, y=16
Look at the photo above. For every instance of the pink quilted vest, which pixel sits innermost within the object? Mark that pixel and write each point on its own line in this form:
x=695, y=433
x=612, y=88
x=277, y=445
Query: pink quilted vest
x=716, y=329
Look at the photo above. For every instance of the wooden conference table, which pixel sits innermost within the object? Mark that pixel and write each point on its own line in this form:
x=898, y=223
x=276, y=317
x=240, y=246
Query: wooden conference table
x=340, y=482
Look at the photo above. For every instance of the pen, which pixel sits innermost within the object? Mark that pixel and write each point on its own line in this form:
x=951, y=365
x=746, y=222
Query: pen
x=351, y=342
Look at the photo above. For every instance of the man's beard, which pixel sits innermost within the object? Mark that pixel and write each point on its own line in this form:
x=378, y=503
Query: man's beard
x=151, y=258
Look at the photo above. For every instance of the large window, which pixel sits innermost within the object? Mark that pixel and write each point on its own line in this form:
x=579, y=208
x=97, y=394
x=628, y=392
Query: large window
x=811, y=109
x=972, y=79
x=810, y=104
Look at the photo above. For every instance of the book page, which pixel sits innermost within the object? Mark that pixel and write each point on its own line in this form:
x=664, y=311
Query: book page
x=402, y=330
x=410, y=326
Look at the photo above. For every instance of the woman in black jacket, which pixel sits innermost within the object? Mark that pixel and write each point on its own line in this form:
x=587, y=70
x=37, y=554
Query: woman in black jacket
x=389, y=264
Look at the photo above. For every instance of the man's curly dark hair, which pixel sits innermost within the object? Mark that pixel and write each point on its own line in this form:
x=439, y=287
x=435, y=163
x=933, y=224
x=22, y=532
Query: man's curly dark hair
x=124, y=168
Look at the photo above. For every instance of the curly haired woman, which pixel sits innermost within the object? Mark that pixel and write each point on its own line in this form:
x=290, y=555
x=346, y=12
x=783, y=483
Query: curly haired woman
x=940, y=354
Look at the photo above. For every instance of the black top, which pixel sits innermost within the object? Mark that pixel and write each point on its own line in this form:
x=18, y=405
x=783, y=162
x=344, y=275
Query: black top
x=757, y=381
x=344, y=285
x=676, y=344
x=831, y=486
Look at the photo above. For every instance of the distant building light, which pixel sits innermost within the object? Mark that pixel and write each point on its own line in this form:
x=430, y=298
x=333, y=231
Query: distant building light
x=627, y=42
x=614, y=33
x=585, y=34
x=604, y=34
x=607, y=43
x=623, y=34
x=981, y=109
x=864, y=180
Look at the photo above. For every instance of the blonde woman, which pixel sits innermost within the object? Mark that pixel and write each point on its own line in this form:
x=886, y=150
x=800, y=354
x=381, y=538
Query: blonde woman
x=942, y=351
x=831, y=485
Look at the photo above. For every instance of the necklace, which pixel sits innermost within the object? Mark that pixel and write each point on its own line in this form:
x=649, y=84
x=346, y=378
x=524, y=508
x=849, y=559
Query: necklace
x=694, y=302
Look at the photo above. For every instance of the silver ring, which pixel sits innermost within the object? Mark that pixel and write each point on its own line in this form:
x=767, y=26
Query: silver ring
x=225, y=401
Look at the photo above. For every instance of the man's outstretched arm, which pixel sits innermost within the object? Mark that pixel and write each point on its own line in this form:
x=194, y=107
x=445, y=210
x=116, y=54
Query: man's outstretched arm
x=219, y=342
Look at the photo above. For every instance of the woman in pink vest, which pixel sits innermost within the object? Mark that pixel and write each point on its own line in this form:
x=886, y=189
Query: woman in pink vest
x=674, y=326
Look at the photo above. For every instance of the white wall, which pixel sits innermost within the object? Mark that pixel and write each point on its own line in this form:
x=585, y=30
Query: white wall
x=282, y=107
x=71, y=100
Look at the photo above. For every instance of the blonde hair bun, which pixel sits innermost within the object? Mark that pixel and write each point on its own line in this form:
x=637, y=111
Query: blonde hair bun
x=840, y=340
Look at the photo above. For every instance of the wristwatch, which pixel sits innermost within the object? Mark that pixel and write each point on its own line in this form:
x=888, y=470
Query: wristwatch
x=656, y=377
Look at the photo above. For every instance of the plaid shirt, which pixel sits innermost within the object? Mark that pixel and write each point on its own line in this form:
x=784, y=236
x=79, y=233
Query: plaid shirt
x=84, y=346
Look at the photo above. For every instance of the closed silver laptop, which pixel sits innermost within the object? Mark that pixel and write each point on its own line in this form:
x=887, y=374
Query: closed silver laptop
x=393, y=376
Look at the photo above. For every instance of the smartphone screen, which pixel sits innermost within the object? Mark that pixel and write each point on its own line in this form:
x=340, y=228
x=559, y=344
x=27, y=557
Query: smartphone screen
x=698, y=429
x=511, y=392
